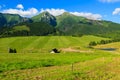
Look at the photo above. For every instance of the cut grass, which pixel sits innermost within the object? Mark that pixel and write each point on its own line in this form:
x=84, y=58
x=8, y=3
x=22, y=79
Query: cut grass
x=44, y=43
x=33, y=62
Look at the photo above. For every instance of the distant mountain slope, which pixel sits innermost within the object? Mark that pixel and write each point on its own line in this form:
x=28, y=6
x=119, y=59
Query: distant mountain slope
x=65, y=24
x=7, y=20
x=45, y=17
x=69, y=24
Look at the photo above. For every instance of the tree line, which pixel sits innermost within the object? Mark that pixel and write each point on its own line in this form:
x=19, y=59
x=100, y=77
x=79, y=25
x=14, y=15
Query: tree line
x=94, y=43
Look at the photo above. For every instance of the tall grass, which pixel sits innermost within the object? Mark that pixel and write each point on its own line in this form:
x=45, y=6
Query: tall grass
x=35, y=60
x=85, y=67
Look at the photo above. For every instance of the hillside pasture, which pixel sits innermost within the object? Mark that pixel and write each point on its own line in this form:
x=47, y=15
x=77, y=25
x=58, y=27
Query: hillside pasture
x=33, y=60
x=45, y=43
x=115, y=46
x=64, y=66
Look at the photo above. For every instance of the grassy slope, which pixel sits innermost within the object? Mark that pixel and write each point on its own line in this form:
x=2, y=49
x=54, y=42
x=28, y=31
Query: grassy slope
x=39, y=44
x=86, y=66
x=20, y=28
x=39, y=66
x=69, y=24
x=12, y=18
x=111, y=45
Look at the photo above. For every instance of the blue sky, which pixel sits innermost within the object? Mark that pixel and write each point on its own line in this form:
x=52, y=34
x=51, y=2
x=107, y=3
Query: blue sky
x=91, y=9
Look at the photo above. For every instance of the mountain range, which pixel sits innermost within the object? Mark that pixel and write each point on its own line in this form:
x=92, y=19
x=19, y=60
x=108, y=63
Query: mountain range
x=47, y=24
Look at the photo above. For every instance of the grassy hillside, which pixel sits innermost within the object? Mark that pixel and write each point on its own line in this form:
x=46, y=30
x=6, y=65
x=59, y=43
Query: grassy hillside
x=34, y=61
x=68, y=24
x=115, y=45
x=86, y=66
x=45, y=43
x=8, y=20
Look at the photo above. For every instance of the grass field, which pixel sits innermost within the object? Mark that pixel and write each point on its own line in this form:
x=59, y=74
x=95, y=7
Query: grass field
x=34, y=61
x=115, y=45
x=45, y=43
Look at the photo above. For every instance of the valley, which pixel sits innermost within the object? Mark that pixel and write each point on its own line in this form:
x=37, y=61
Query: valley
x=59, y=39
x=64, y=47
x=76, y=60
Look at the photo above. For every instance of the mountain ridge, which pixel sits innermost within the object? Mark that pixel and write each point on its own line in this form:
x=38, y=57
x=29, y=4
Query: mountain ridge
x=66, y=24
x=45, y=17
x=8, y=20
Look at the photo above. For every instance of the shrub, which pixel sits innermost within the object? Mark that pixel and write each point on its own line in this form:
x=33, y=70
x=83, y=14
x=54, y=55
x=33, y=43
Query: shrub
x=12, y=50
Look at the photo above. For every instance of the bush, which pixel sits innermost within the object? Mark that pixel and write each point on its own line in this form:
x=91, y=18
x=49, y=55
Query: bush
x=93, y=43
x=12, y=50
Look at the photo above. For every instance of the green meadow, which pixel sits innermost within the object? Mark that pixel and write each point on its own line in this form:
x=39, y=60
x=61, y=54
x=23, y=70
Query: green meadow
x=45, y=43
x=76, y=61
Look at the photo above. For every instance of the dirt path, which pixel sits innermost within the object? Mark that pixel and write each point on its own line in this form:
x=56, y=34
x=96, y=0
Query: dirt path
x=74, y=50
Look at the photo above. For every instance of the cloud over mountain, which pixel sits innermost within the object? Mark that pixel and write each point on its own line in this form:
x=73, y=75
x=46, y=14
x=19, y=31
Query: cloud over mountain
x=33, y=11
x=88, y=15
x=57, y=12
x=54, y=12
x=25, y=13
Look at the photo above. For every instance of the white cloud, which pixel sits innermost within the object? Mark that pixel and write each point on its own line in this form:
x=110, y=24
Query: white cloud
x=116, y=11
x=57, y=12
x=20, y=6
x=54, y=12
x=109, y=1
x=33, y=11
x=88, y=15
x=25, y=13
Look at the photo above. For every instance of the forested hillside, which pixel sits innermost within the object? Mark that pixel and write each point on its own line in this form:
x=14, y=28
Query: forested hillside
x=47, y=24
